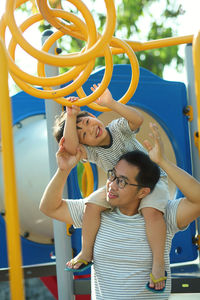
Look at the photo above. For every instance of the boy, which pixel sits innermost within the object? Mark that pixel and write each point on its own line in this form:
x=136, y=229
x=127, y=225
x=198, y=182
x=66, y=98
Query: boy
x=103, y=146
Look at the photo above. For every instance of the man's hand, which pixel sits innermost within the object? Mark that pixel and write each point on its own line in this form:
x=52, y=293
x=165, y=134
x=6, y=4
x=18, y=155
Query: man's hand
x=74, y=110
x=106, y=98
x=65, y=160
x=156, y=151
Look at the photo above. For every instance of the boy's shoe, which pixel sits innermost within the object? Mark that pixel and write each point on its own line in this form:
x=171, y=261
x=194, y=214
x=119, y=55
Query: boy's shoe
x=84, y=265
x=156, y=281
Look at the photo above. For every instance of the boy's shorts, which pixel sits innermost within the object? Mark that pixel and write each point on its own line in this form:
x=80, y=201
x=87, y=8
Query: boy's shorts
x=98, y=198
x=157, y=199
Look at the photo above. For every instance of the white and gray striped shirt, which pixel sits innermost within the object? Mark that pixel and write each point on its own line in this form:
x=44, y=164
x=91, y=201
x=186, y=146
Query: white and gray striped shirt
x=123, y=140
x=122, y=256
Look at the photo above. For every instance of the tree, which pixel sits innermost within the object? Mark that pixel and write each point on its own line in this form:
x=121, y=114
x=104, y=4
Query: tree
x=131, y=15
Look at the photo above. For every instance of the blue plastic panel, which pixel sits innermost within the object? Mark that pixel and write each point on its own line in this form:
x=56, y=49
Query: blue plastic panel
x=163, y=100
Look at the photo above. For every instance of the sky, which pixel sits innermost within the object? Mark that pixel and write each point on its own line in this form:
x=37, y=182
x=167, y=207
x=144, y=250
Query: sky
x=187, y=24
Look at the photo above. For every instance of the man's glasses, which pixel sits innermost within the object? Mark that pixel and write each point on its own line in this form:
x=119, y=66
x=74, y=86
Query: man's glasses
x=121, y=181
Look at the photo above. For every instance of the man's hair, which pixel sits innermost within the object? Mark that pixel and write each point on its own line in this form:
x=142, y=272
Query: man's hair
x=149, y=172
x=59, y=123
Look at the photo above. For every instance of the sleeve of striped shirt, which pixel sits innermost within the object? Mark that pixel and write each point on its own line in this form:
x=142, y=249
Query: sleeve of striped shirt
x=123, y=125
x=170, y=217
x=76, y=209
x=92, y=155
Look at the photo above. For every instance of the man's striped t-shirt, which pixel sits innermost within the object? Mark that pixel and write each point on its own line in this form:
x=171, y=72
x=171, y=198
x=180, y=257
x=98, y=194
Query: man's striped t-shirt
x=122, y=256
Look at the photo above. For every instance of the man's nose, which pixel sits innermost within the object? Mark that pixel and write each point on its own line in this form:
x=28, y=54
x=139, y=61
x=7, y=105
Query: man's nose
x=114, y=185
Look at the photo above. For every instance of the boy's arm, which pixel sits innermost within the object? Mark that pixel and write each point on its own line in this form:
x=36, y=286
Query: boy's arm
x=189, y=207
x=131, y=114
x=71, y=141
x=52, y=203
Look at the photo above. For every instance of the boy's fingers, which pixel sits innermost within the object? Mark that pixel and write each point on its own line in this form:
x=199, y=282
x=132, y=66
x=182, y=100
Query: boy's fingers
x=147, y=145
x=76, y=107
x=60, y=150
x=72, y=99
x=95, y=86
x=61, y=141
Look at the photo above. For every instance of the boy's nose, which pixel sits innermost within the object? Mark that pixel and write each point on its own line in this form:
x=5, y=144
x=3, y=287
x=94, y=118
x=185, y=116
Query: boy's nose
x=91, y=129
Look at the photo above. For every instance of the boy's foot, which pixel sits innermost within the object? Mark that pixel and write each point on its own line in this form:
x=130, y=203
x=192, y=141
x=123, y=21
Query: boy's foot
x=77, y=261
x=157, y=281
x=157, y=278
x=84, y=265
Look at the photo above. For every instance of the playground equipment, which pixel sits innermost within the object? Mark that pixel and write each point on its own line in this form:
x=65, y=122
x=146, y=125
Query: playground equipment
x=97, y=45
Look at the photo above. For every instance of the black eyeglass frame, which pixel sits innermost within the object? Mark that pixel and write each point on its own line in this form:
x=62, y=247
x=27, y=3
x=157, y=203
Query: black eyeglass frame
x=117, y=178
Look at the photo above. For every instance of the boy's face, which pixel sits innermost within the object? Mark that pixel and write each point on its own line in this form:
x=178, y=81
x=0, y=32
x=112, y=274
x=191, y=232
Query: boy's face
x=91, y=131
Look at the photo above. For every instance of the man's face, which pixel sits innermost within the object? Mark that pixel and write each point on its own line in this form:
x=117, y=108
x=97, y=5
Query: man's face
x=92, y=131
x=128, y=198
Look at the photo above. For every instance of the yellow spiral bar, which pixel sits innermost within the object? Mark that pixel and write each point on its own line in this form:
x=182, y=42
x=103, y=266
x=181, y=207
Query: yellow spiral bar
x=42, y=81
x=134, y=78
x=49, y=15
x=79, y=74
x=66, y=77
x=82, y=63
x=75, y=85
x=65, y=60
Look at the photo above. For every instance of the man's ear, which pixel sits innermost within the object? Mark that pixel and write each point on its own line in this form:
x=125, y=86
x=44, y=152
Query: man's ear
x=143, y=192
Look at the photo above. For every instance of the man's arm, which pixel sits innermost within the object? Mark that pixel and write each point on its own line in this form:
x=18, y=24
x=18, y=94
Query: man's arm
x=52, y=203
x=189, y=207
x=132, y=115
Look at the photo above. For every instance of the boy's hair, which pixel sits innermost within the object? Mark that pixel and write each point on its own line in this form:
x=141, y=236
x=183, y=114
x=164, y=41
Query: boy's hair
x=59, y=123
x=149, y=172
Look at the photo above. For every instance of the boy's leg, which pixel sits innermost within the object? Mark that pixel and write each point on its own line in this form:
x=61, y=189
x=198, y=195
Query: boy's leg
x=90, y=226
x=156, y=235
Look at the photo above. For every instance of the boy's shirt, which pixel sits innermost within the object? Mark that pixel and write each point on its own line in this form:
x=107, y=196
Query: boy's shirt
x=123, y=140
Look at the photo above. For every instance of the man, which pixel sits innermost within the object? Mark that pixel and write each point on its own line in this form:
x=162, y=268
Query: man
x=122, y=256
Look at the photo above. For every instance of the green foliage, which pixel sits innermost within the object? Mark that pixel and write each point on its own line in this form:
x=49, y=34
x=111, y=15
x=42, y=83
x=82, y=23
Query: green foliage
x=130, y=14
x=156, y=59
x=131, y=17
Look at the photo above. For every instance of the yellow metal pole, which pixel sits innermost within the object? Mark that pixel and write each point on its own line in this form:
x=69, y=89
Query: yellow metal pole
x=87, y=180
x=12, y=219
x=196, y=60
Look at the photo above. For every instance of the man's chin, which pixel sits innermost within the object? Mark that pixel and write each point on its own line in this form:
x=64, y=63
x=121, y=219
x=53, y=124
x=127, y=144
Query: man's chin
x=111, y=202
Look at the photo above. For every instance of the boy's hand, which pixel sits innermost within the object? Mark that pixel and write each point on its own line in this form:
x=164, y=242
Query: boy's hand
x=74, y=110
x=156, y=151
x=65, y=160
x=106, y=98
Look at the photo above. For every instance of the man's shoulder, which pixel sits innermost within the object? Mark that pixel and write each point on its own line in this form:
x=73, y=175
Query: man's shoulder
x=171, y=215
x=76, y=208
